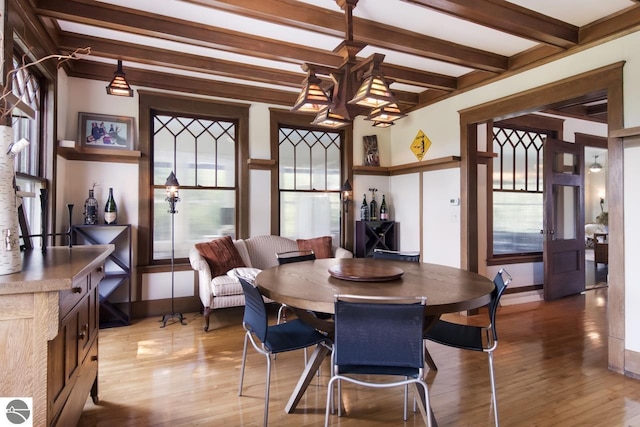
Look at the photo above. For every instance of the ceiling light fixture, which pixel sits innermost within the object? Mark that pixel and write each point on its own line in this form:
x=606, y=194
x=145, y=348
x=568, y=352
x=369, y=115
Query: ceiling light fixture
x=119, y=85
x=356, y=87
x=595, y=166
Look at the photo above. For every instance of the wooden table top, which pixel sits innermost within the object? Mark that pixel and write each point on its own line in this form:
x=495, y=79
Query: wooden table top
x=308, y=285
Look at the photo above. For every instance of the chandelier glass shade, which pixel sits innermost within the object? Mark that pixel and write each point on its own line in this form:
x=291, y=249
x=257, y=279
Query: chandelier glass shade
x=328, y=118
x=388, y=113
x=312, y=98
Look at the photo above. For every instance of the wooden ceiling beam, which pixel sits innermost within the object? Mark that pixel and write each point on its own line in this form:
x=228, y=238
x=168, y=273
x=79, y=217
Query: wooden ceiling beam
x=161, y=57
x=193, y=85
x=168, y=28
x=327, y=22
x=509, y=18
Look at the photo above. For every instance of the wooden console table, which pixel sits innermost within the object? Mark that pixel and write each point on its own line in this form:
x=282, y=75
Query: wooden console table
x=600, y=248
x=49, y=326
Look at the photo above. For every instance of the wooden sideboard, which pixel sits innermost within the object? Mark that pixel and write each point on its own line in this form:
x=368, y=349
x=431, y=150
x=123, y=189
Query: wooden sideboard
x=49, y=326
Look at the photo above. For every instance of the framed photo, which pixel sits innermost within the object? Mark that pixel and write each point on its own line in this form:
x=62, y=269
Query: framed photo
x=105, y=131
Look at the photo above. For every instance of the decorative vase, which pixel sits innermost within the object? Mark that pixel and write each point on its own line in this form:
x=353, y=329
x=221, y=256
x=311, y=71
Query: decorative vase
x=10, y=258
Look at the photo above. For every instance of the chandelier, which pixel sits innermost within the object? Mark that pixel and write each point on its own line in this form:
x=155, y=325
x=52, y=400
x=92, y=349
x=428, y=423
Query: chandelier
x=595, y=166
x=357, y=87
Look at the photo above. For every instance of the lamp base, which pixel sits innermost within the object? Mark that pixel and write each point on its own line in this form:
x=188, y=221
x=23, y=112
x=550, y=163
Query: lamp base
x=166, y=317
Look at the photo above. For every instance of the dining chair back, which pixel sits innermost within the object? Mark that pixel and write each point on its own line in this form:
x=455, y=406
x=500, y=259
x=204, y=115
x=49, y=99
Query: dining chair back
x=268, y=340
x=295, y=256
x=396, y=255
x=378, y=336
x=475, y=338
x=289, y=257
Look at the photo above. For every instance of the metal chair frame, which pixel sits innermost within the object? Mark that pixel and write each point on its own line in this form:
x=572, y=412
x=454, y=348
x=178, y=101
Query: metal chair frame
x=475, y=338
x=270, y=340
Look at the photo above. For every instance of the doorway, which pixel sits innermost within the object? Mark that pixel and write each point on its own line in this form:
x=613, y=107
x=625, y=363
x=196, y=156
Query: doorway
x=605, y=81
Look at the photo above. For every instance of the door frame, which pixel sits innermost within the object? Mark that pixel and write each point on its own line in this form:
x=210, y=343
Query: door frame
x=609, y=81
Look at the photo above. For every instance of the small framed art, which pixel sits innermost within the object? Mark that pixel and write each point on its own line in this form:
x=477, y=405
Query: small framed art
x=105, y=131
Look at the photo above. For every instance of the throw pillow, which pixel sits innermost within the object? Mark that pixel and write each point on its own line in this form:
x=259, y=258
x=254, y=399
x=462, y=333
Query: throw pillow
x=221, y=255
x=321, y=246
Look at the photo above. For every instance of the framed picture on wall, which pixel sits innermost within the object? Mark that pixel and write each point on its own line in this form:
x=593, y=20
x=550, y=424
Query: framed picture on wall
x=105, y=131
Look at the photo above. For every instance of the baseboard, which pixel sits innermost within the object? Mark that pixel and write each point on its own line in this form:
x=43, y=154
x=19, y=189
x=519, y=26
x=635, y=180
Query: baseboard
x=522, y=297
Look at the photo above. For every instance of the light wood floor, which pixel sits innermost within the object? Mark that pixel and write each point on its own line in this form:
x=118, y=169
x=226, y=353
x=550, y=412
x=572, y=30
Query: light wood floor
x=551, y=370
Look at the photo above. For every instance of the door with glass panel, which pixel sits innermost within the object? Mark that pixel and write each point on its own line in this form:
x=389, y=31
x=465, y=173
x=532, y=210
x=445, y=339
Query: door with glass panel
x=563, y=231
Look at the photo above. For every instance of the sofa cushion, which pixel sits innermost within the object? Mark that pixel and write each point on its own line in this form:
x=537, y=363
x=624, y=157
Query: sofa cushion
x=221, y=255
x=321, y=246
x=225, y=286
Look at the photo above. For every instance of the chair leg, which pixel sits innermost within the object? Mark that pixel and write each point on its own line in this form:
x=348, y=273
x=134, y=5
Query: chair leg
x=406, y=400
x=266, y=393
x=329, y=406
x=244, y=357
x=282, y=314
x=494, y=396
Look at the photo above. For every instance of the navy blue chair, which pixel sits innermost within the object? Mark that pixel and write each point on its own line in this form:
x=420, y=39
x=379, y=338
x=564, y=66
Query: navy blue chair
x=475, y=338
x=378, y=336
x=396, y=255
x=288, y=258
x=268, y=340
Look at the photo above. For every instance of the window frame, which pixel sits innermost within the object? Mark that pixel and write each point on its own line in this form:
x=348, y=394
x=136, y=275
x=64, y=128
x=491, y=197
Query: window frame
x=552, y=127
x=302, y=121
x=181, y=105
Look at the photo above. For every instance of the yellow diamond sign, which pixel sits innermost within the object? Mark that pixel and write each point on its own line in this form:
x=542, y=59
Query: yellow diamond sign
x=420, y=145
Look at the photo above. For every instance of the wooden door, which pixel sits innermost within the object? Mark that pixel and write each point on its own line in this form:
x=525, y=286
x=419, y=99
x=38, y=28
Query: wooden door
x=563, y=231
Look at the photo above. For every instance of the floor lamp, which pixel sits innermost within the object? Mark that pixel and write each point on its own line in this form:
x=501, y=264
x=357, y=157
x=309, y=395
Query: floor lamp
x=172, y=197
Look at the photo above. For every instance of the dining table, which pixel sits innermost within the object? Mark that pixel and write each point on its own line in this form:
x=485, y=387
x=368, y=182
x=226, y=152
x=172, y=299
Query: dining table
x=310, y=287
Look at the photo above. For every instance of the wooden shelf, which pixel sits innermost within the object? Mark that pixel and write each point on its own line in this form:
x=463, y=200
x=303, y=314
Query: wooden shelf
x=99, y=154
x=432, y=164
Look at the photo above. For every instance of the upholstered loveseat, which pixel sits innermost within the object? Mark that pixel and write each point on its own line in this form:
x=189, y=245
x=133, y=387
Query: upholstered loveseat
x=222, y=289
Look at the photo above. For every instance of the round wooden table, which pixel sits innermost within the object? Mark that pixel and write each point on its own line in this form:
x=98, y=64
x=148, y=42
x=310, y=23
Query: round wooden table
x=309, y=285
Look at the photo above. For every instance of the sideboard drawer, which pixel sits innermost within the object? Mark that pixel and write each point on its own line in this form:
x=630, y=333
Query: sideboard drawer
x=70, y=297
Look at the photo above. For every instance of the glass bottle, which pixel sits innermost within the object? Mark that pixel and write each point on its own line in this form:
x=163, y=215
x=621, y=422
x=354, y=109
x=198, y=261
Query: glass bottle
x=110, y=209
x=91, y=210
x=373, y=206
x=384, y=212
x=364, y=209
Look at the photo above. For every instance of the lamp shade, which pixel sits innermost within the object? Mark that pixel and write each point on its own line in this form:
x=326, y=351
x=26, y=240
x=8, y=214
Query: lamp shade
x=329, y=119
x=595, y=166
x=374, y=92
x=312, y=98
x=388, y=113
x=119, y=85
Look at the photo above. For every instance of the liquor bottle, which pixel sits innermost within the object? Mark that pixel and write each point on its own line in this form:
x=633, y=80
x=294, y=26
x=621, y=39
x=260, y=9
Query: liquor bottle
x=373, y=206
x=110, y=209
x=91, y=210
x=384, y=212
x=364, y=209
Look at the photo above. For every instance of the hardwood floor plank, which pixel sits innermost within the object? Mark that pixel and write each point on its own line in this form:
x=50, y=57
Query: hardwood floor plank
x=550, y=364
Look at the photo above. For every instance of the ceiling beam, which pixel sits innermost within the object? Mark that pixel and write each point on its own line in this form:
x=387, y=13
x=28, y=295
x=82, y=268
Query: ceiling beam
x=324, y=21
x=183, y=61
x=193, y=85
x=509, y=18
x=168, y=28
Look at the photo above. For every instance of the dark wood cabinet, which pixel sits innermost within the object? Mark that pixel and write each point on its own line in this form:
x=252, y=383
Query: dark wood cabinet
x=115, y=288
x=372, y=235
x=73, y=353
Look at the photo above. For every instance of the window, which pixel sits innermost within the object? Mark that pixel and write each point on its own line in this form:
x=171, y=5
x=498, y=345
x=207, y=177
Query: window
x=309, y=182
x=26, y=123
x=201, y=151
x=517, y=191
